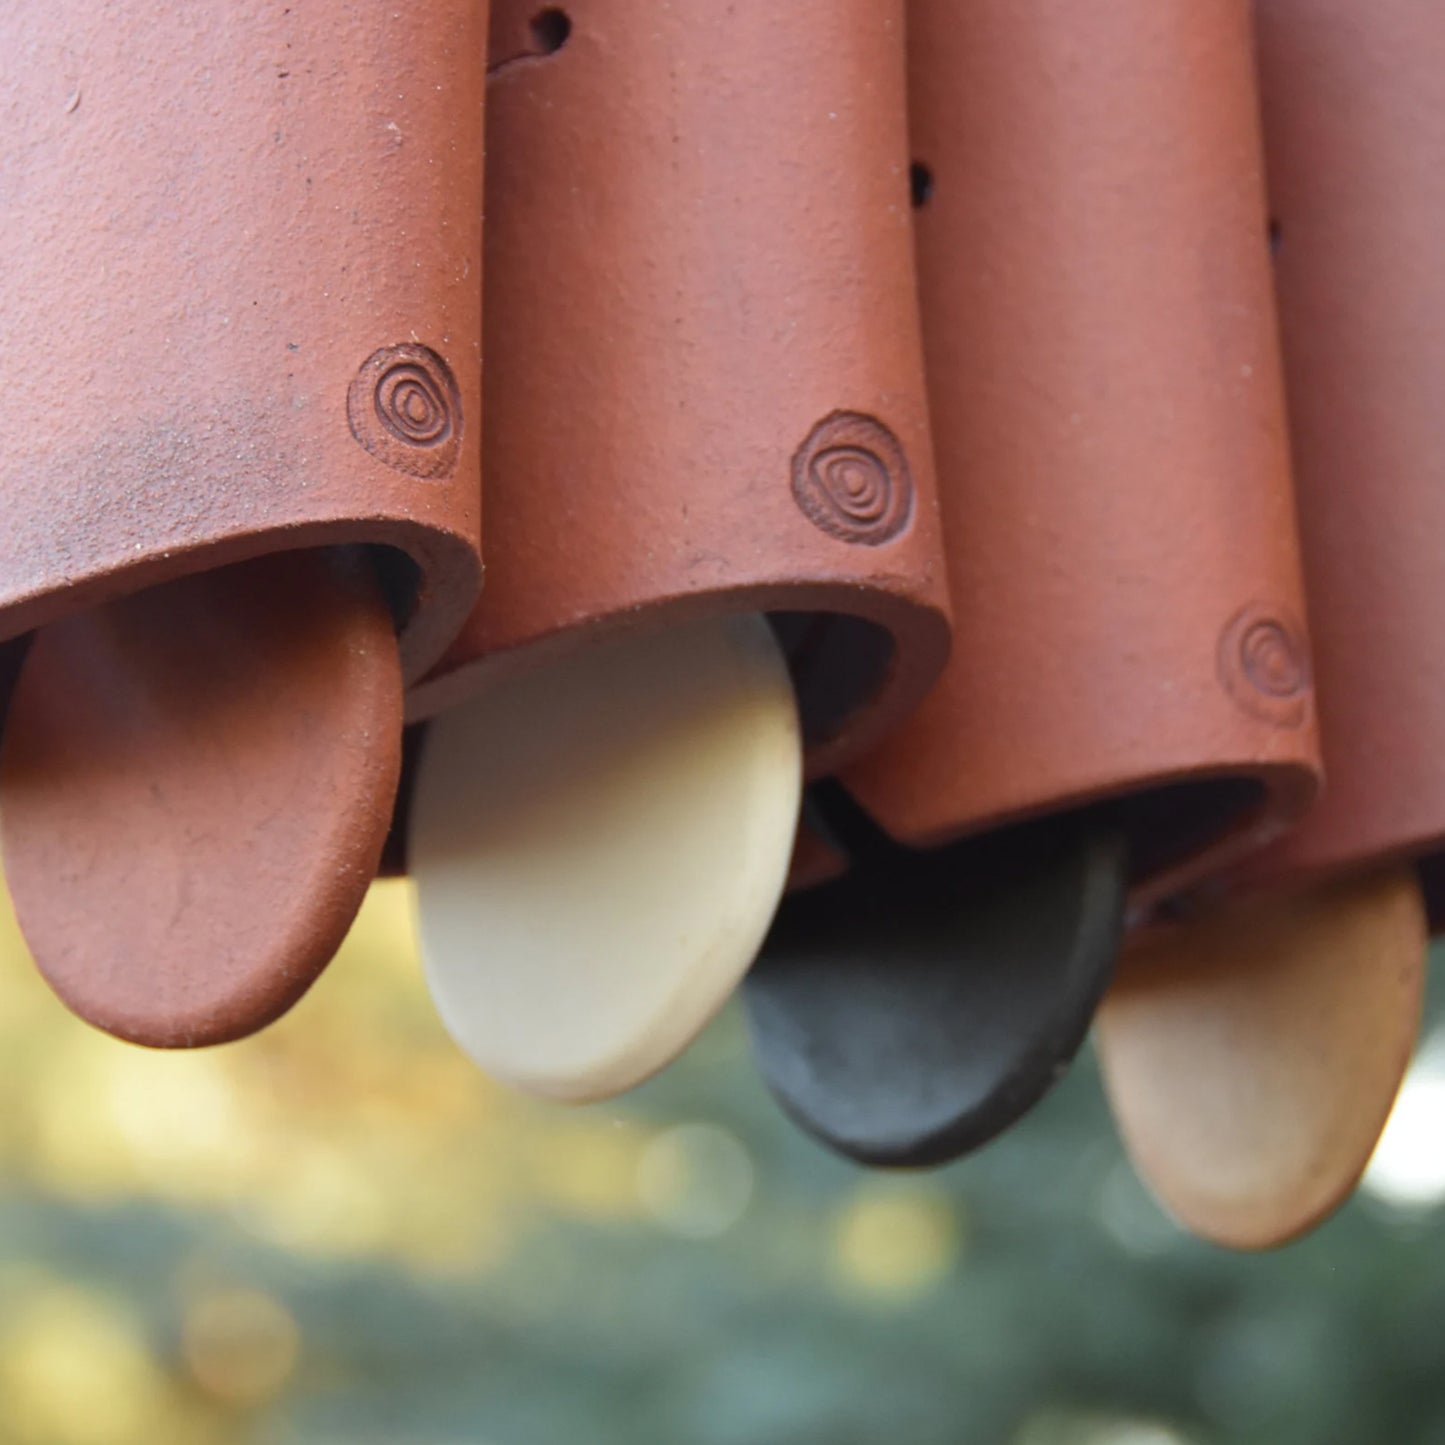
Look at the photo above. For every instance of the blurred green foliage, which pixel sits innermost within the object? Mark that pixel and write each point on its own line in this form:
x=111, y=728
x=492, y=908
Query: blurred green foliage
x=338, y=1233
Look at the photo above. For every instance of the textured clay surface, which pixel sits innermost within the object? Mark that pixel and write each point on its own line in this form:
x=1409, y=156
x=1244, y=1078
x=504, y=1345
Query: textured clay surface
x=1252, y=1058
x=241, y=297
x=1354, y=112
x=194, y=787
x=705, y=393
x=1107, y=406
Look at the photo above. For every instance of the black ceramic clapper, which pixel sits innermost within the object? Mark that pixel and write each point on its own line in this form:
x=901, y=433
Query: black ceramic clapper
x=915, y=1008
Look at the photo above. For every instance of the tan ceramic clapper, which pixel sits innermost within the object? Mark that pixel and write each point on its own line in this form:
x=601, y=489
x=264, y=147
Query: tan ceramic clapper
x=1107, y=408
x=241, y=303
x=704, y=384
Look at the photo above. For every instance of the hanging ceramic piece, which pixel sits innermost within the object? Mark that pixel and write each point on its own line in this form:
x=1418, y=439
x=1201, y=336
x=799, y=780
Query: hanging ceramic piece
x=705, y=389
x=1354, y=110
x=915, y=1008
x=1354, y=122
x=238, y=724
x=1252, y=1058
x=598, y=849
x=705, y=401
x=1109, y=423
x=266, y=332
x=1129, y=660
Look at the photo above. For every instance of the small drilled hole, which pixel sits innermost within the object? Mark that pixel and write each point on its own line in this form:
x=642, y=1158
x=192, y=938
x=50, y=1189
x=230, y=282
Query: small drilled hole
x=1275, y=236
x=920, y=183
x=550, y=29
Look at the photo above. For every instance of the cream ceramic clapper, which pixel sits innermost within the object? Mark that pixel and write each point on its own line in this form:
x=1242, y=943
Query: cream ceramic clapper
x=599, y=844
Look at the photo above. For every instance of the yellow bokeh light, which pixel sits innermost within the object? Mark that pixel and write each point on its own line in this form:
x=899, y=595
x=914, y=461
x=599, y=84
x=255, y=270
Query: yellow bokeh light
x=240, y=1345
x=892, y=1242
x=586, y=1166
x=75, y=1370
x=695, y=1180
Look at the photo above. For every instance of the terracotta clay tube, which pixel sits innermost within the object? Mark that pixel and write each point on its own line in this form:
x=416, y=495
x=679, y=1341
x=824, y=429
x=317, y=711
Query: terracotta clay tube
x=705, y=407
x=241, y=476
x=1129, y=683
x=1279, y=1124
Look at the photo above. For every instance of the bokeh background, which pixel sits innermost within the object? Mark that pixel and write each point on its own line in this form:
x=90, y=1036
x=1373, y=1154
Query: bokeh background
x=339, y=1233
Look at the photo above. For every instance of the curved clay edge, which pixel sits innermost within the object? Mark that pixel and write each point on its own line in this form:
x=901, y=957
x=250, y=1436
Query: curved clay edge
x=1288, y=790
x=920, y=632
x=1245, y=881
x=449, y=583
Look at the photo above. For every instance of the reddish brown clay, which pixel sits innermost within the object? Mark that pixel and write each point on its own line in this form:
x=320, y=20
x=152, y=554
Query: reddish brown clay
x=241, y=297
x=1354, y=110
x=196, y=784
x=1108, y=418
x=704, y=382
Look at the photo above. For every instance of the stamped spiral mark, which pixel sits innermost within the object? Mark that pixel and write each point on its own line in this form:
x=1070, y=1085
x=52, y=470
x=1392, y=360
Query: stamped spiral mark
x=404, y=408
x=1264, y=665
x=851, y=479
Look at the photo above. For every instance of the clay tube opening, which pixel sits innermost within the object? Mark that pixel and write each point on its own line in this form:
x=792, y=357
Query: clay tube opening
x=398, y=575
x=838, y=664
x=401, y=581
x=12, y=654
x=1163, y=828
x=1431, y=869
x=1167, y=825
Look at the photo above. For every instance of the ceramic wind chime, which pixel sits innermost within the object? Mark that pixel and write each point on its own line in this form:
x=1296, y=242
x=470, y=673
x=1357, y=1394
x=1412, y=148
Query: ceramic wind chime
x=894, y=605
